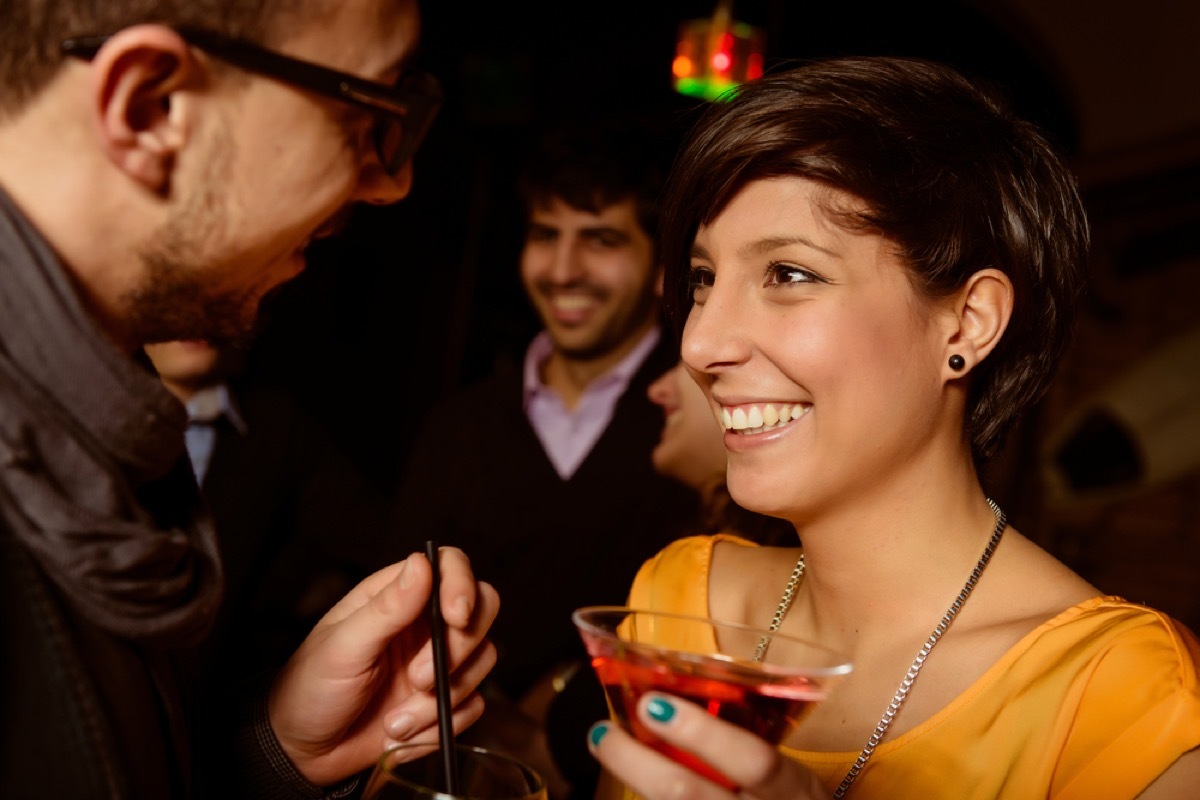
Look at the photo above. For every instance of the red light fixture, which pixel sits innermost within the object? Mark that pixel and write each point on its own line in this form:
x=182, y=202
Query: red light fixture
x=715, y=55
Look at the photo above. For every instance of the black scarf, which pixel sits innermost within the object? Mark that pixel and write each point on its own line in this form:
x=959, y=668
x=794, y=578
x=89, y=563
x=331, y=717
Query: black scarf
x=92, y=478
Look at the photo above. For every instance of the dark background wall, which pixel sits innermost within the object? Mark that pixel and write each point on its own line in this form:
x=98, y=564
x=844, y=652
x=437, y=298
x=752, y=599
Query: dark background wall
x=417, y=299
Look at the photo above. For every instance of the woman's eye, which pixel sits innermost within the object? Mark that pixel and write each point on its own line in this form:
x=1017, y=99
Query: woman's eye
x=700, y=281
x=778, y=274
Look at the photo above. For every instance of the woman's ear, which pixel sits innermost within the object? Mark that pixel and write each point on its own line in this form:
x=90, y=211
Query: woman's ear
x=135, y=76
x=980, y=314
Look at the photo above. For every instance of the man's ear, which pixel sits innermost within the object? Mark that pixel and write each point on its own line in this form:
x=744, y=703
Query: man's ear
x=134, y=77
x=980, y=313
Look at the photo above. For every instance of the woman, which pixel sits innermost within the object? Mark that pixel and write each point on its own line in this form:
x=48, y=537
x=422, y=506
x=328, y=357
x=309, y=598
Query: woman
x=876, y=265
x=691, y=450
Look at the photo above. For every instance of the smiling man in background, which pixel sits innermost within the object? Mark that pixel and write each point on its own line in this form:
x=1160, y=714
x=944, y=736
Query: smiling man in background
x=542, y=471
x=162, y=167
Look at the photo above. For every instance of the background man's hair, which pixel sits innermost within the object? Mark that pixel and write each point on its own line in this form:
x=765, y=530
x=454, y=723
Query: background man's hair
x=590, y=166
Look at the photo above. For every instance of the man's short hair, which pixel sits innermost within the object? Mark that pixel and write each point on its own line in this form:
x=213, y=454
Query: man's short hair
x=33, y=30
x=590, y=166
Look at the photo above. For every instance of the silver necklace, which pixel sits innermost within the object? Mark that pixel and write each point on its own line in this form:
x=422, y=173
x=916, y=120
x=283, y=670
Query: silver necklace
x=789, y=594
x=785, y=602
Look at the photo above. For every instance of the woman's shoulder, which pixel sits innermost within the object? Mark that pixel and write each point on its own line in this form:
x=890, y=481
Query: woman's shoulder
x=676, y=578
x=691, y=552
x=1117, y=661
x=1057, y=608
x=1123, y=633
x=1125, y=675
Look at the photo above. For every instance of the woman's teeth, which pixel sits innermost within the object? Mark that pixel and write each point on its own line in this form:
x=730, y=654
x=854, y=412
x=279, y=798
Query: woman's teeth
x=757, y=419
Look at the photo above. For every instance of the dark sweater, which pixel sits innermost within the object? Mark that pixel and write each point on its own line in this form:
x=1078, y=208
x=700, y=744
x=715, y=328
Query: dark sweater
x=478, y=478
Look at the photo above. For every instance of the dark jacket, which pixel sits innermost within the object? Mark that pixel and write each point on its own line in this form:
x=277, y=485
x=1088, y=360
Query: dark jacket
x=109, y=571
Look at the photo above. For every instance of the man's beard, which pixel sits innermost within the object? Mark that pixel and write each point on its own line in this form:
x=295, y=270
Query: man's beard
x=173, y=302
x=614, y=335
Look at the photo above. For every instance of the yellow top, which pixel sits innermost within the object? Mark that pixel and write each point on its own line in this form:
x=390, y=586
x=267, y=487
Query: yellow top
x=1092, y=705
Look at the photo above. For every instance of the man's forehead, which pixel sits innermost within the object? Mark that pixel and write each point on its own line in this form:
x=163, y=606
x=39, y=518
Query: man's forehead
x=558, y=213
x=375, y=39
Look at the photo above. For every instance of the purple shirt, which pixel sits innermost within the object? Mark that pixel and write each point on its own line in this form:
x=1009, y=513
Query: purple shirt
x=568, y=435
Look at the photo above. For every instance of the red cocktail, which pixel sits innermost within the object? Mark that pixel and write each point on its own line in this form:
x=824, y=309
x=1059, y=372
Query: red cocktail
x=710, y=663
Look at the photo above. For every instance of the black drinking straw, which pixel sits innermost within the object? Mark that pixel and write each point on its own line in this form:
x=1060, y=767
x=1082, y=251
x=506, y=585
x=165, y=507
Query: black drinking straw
x=437, y=633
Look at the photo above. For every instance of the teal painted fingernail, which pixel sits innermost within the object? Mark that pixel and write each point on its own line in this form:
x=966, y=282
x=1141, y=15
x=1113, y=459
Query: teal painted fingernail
x=660, y=710
x=598, y=732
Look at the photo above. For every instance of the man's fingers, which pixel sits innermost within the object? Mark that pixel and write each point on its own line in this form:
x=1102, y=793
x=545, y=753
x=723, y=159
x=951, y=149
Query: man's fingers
x=465, y=714
x=461, y=643
x=420, y=708
x=471, y=673
x=417, y=717
x=457, y=587
x=390, y=600
x=410, y=575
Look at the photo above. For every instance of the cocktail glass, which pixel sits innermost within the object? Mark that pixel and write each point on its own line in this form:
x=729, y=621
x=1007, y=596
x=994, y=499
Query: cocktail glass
x=764, y=682
x=416, y=772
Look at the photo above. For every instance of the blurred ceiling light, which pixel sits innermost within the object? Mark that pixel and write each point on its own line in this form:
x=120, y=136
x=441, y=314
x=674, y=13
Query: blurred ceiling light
x=716, y=54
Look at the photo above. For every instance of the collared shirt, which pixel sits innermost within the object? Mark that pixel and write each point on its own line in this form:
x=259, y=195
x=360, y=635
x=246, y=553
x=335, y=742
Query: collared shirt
x=568, y=435
x=205, y=408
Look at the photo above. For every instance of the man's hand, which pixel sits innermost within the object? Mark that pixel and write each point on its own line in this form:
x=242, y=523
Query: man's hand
x=363, y=679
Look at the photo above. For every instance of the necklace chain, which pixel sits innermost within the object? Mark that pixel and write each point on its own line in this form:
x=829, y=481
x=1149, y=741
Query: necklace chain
x=785, y=602
x=789, y=594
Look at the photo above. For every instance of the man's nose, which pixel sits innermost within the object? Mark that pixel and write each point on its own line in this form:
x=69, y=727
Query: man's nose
x=567, y=266
x=379, y=187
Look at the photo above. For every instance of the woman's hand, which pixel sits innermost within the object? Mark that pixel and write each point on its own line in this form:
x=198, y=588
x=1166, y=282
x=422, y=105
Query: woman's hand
x=756, y=768
x=363, y=679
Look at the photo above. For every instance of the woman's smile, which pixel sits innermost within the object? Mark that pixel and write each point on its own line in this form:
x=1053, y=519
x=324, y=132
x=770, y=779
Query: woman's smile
x=757, y=418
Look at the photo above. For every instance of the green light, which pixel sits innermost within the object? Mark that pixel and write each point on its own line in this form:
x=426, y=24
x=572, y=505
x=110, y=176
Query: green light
x=708, y=89
x=714, y=56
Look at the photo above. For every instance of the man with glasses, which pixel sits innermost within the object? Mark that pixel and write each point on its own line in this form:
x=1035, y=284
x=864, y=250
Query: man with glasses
x=163, y=165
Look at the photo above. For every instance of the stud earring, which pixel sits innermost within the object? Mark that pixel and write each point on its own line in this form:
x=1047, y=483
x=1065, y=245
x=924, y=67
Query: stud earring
x=957, y=362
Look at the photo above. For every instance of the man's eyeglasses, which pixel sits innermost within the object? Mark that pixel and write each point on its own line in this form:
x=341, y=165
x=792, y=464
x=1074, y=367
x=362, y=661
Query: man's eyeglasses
x=403, y=112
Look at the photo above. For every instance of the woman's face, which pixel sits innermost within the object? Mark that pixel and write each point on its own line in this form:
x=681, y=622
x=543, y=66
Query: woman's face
x=691, y=448
x=812, y=346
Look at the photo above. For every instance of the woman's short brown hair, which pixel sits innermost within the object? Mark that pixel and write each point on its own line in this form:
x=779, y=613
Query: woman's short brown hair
x=944, y=171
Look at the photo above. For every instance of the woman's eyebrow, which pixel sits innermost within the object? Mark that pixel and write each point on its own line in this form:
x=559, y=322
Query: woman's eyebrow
x=771, y=243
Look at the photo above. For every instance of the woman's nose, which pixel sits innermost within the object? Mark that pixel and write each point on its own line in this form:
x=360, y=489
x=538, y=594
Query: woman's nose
x=714, y=335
